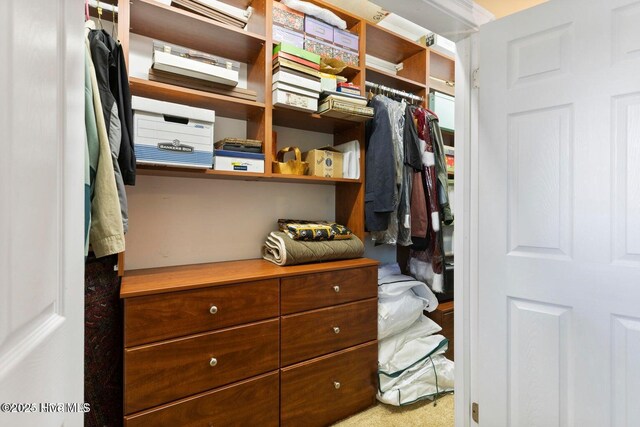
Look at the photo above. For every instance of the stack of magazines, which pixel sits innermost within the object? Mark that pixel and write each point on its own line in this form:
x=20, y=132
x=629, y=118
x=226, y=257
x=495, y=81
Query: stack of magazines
x=217, y=10
x=344, y=105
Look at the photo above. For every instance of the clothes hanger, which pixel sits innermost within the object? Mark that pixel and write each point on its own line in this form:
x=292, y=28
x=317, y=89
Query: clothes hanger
x=99, y=14
x=113, y=24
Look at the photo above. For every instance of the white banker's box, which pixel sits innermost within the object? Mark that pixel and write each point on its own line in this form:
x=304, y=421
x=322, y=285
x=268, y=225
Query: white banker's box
x=172, y=134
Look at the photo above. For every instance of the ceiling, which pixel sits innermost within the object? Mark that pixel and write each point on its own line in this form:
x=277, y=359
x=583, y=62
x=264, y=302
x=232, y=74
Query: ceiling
x=502, y=8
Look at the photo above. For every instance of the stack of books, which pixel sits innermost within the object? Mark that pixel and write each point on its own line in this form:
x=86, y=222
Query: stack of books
x=345, y=105
x=217, y=10
x=296, y=78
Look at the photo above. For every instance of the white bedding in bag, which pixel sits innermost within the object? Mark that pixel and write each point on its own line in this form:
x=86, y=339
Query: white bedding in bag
x=401, y=300
x=426, y=380
x=398, y=313
x=412, y=354
x=395, y=284
x=388, y=347
x=386, y=270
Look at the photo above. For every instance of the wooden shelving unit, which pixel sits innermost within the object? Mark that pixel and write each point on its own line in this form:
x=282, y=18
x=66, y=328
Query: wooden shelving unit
x=253, y=47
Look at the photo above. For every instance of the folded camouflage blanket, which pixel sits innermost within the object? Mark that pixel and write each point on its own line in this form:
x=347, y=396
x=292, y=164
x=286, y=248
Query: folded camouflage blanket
x=281, y=249
x=299, y=229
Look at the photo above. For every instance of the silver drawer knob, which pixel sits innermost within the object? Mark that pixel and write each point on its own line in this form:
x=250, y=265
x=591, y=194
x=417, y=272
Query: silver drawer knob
x=336, y=288
x=336, y=384
x=213, y=309
x=213, y=361
x=336, y=329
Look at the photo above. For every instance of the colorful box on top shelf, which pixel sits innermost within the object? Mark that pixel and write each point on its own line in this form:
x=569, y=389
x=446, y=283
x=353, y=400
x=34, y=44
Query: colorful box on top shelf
x=317, y=46
x=318, y=29
x=286, y=35
x=347, y=56
x=287, y=17
x=346, y=40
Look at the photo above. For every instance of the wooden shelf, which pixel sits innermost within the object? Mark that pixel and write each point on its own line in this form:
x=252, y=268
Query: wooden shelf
x=441, y=66
x=390, y=46
x=224, y=106
x=153, y=19
x=178, y=172
x=440, y=86
x=289, y=118
x=311, y=179
x=394, y=81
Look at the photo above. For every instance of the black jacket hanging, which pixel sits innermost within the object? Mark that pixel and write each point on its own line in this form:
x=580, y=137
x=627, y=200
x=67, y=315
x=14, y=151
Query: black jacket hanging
x=112, y=59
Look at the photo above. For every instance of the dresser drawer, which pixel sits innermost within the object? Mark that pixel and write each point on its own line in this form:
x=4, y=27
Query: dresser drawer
x=249, y=403
x=158, y=317
x=327, y=389
x=322, y=331
x=159, y=373
x=318, y=290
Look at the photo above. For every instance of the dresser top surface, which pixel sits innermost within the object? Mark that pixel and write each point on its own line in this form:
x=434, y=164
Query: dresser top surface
x=170, y=279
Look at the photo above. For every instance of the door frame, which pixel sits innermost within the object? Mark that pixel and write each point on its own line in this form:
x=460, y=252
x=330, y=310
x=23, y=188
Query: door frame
x=459, y=21
x=466, y=234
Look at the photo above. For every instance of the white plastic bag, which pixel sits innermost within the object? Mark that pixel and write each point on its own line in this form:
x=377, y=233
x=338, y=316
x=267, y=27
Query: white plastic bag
x=397, y=313
x=433, y=376
x=412, y=354
x=317, y=11
x=396, y=284
x=394, y=344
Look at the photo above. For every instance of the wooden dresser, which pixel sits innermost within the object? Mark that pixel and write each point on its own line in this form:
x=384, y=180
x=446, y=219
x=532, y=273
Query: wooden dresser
x=249, y=343
x=443, y=316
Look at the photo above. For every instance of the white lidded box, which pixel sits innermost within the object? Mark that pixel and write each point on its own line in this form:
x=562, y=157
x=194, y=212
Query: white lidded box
x=172, y=134
x=224, y=72
x=238, y=161
x=294, y=101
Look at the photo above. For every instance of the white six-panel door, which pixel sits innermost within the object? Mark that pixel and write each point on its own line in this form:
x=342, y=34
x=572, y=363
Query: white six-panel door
x=559, y=216
x=41, y=209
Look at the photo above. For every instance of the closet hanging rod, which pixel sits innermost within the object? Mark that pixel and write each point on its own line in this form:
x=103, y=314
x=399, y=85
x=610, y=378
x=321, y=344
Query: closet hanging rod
x=394, y=91
x=104, y=5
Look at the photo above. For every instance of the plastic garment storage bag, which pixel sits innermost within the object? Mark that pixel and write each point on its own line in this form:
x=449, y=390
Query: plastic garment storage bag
x=426, y=380
x=394, y=349
x=401, y=301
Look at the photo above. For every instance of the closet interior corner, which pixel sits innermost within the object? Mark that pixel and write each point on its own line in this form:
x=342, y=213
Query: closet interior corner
x=291, y=109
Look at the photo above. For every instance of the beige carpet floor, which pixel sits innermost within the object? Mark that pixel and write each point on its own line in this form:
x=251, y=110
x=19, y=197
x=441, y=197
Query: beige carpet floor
x=421, y=414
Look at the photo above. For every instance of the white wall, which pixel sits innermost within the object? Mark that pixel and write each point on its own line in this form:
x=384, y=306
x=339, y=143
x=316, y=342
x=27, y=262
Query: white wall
x=176, y=221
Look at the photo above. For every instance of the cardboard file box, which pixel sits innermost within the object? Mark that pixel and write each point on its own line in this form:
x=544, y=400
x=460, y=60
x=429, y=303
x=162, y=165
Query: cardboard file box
x=237, y=161
x=324, y=161
x=172, y=134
